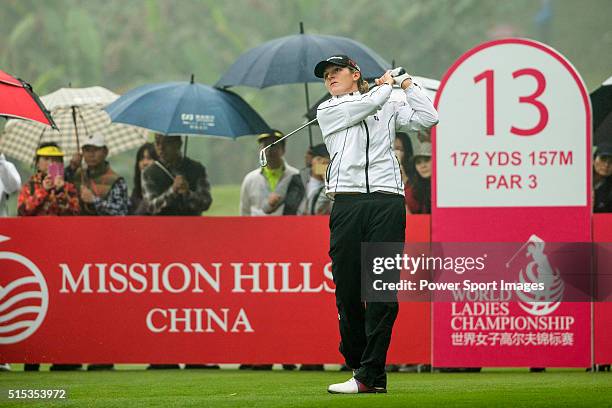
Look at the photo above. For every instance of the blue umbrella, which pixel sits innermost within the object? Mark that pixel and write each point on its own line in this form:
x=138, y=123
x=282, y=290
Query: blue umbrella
x=187, y=108
x=291, y=60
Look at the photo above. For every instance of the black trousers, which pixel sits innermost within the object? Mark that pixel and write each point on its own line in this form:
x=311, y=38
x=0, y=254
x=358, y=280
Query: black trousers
x=365, y=329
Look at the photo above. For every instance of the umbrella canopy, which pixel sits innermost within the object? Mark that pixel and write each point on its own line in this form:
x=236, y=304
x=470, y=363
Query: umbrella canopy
x=69, y=97
x=77, y=112
x=18, y=100
x=292, y=59
x=187, y=108
x=601, y=101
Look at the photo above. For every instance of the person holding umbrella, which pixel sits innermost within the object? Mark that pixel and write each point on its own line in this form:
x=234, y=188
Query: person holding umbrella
x=175, y=185
x=102, y=191
x=364, y=178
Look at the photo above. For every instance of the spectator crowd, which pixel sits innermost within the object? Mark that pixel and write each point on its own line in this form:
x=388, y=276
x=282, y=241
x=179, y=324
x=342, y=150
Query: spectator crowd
x=168, y=183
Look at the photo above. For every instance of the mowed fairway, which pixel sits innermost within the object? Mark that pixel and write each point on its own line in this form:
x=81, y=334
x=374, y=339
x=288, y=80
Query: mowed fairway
x=233, y=388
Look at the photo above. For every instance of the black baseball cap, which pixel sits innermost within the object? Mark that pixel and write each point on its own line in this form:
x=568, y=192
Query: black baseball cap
x=339, y=60
x=603, y=149
x=319, y=150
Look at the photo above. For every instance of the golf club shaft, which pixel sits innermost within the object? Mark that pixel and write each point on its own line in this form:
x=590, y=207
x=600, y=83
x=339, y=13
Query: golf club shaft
x=262, y=154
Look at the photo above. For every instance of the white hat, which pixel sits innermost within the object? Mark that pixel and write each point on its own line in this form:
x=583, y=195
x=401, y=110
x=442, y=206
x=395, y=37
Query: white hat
x=422, y=149
x=96, y=139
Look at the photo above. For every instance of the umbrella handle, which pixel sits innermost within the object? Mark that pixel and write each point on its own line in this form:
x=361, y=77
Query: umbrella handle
x=263, y=162
x=164, y=169
x=76, y=130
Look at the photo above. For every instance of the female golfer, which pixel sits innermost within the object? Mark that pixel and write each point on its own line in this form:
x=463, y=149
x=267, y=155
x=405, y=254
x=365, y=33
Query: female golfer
x=365, y=180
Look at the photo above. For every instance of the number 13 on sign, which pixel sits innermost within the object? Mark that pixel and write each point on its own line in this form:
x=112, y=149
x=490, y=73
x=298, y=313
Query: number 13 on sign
x=489, y=78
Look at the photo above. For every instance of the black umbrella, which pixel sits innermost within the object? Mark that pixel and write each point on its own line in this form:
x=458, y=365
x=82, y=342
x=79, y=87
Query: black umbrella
x=601, y=101
x=291, y=60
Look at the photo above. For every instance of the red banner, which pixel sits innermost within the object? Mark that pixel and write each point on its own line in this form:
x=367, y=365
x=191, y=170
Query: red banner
x=179, y=289
x=121, y=290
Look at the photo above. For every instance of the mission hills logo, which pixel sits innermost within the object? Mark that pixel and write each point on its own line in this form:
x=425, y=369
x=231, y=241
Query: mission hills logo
x=24, y=297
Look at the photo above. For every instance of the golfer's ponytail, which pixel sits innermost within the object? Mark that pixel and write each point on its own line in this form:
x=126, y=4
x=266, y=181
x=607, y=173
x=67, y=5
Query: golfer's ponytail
x=362, y=85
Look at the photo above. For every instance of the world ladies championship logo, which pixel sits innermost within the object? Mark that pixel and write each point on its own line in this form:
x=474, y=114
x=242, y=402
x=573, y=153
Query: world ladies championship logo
x=539, y=270
x=24, y=297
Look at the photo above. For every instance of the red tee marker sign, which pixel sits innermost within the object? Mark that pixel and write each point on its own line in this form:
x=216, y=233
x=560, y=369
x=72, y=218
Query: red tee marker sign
x=512, y=161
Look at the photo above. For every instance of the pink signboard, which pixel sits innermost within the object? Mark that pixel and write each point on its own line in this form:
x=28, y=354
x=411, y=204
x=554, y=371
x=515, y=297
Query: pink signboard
x=512, y=165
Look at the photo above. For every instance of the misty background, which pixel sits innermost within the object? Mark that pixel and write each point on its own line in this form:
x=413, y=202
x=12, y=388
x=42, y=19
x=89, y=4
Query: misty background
x=122, y=44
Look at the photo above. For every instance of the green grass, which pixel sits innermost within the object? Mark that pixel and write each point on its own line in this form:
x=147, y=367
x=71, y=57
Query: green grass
x=231, y=388
x=226, y=200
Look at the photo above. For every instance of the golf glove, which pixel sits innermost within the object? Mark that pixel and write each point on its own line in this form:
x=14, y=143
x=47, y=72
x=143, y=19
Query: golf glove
x=399, y=75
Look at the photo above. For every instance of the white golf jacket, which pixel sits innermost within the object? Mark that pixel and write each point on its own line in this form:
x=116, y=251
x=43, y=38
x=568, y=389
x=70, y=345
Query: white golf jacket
x=359, y=130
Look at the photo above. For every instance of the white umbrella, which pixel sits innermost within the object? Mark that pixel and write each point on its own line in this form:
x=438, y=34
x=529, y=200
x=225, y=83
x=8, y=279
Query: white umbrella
x=70, y=106
x=69, y=97
x=430, y=87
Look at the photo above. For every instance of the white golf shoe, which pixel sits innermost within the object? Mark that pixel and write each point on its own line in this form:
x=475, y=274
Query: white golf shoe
x=353, y=386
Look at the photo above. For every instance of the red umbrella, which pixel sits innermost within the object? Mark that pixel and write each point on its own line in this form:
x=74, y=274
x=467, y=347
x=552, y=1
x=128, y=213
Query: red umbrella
x=18, y=100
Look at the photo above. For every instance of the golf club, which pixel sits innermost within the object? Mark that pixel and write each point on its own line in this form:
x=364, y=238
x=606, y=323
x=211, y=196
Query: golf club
x=262, y=154
x=532, y=240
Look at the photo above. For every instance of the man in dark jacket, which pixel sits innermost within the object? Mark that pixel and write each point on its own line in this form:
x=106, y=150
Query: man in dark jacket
x=175, y=185
x=602, y=178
